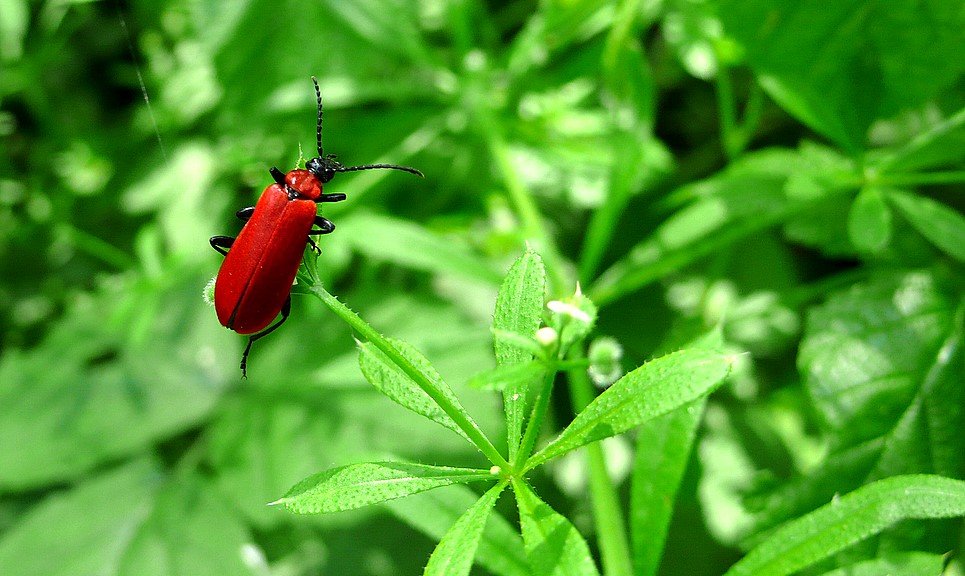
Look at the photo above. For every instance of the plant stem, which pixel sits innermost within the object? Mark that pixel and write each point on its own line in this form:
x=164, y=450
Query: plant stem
x=610, y=525
x=540, y=407
x=524, y=204
x=370, y=334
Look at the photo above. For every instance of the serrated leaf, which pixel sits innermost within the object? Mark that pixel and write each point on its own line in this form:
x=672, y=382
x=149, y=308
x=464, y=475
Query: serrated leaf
x=554, y=547
x=519, y=309
x=389, y=379
x=869, y=221
x=941, y=225
x=358, y=485
x=455, y=552
x=850, y=519
x=519, y=306
x=651, y=390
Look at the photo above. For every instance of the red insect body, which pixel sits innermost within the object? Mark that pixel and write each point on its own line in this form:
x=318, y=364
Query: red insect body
x=255, y=280
x=256, y=276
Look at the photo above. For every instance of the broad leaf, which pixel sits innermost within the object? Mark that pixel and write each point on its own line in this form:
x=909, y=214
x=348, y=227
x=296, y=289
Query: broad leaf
x=358, y=485
x=128, y=522
x=838, y=66
x=869, y=221
x=651, y=390
x=114, y=363
x=884, y=360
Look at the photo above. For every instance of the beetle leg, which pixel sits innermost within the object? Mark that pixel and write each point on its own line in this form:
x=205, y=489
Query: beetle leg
x=245, y=213
x=277, y=175
x=221, y=243
x=330, y=198
x=325, y=225
x=285, y=311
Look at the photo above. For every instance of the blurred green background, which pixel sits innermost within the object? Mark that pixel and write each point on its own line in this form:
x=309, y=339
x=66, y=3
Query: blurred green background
x=594, y=130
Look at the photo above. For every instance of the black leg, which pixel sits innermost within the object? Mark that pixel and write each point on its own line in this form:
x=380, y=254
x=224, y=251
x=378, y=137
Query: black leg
x=285, y=311
x=325, y=226
x=221, y=243
x=277, y=175
x=245, y=213
x=331, y=198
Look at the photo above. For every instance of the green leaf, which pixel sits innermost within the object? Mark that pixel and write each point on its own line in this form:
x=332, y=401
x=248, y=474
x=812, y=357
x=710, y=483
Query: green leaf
x=519, y=306
x=411, y=245
x=883, y=360
x=114, y=362
x=89, y=519
x=358, y=485
x=433, y=513
x=663, y=450
x=749, y=196
x=869, y=221
x=554, y=547
x=125, y=522
x=895, y=564
x=501, y=377
x=651, y=390
x=942, y=226
x=942, y=144
x=874, y=60
x=455, y=552
x=190, y=531
x=850, y=519
x=519, y=309
x=389, y=379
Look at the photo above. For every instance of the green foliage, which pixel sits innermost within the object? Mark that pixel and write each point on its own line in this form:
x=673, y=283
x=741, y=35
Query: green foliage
x=724, y=236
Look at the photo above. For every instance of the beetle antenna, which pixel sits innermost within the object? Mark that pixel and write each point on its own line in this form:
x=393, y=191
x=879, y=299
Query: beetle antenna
x=374, y=166
x=318, y=124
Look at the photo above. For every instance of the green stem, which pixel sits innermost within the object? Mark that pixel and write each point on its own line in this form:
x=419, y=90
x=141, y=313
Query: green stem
x=524, y=204
x=535, y=422
x=91, y=245
x=610, y=525
x=470, y=428
x=729, y=136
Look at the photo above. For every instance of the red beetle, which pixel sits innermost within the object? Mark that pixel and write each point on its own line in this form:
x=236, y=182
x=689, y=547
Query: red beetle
x=255, y=281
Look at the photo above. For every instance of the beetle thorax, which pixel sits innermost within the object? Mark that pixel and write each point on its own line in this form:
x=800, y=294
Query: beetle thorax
x=304, y=183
